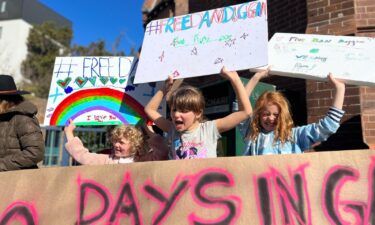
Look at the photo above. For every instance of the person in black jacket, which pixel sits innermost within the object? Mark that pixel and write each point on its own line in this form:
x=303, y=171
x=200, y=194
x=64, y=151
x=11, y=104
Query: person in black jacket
x=21, y=139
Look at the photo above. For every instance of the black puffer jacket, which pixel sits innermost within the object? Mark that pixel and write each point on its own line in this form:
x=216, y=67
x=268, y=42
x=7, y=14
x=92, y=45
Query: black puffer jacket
x=21, y=140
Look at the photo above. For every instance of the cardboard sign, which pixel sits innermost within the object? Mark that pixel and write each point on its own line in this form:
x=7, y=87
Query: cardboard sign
x=311, y=188
x=202, y=43
x=97, y=91
x=351, y=59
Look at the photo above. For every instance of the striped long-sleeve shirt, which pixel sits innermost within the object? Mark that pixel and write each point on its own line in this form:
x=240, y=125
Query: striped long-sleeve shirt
x=303, y=137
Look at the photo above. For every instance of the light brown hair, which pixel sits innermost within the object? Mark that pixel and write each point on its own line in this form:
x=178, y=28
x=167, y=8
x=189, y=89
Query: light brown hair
x=187, y=98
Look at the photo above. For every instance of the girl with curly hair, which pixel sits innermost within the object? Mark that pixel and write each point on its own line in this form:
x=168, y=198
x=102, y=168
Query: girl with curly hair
x=130, y=144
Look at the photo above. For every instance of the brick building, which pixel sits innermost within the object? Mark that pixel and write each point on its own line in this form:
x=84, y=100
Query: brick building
x=308, y=98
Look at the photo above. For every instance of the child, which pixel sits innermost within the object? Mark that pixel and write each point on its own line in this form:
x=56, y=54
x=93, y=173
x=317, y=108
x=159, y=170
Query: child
x=189, y=135
x=128, y=146
x=271, y=126
x=156, y=147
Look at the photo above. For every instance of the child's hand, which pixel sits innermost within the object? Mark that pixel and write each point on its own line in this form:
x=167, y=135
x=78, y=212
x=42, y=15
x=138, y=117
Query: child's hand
x=69, y=129
x=168, y=84
x=338, y=100
x=148, y=130
x=262, y=73
x=337, y=84
x=229, y=75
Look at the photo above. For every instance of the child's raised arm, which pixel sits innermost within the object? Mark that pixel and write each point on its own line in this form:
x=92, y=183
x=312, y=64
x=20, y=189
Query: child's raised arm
x=255, y=79
x=69, y=130
x=233, y=119
x=151, y=109
x=253, y=83
x=339, y=86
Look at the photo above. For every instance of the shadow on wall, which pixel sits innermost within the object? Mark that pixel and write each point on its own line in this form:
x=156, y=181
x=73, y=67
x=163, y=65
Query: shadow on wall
x=348, y=137
x=288, y=16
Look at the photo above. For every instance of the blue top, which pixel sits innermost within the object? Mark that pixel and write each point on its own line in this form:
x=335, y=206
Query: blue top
x=302, y=137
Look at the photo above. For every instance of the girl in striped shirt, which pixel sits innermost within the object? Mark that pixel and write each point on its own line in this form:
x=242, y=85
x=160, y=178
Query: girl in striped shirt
x=270, y=128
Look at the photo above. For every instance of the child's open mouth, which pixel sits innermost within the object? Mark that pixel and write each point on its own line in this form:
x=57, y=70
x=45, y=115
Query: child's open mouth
x=178, y=124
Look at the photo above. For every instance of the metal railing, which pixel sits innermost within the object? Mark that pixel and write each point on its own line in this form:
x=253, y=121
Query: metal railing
x=93, y=138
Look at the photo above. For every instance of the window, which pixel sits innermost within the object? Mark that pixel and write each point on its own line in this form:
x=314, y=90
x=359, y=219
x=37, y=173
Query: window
x=3, y=6
x=52, y=150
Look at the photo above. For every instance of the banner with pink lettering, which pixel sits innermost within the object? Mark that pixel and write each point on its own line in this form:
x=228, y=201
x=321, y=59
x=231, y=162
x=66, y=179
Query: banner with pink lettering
x=202, y=43
x=312, y=188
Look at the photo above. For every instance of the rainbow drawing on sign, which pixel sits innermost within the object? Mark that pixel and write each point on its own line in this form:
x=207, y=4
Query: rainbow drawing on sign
x=117, y=103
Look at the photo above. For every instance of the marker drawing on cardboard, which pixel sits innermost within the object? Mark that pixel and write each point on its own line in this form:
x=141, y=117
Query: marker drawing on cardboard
x=313, y=56
x=202, y=43
x=96, y=91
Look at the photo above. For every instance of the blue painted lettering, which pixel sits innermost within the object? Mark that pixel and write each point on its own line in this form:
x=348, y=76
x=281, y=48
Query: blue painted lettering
x=205, y=19
x=168, y=26
x=228, y=15
x=186, y=22
x=241, y=14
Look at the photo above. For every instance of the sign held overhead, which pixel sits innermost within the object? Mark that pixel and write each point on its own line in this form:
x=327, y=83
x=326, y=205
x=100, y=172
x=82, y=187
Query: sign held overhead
x=202, y=43
x=351, y=59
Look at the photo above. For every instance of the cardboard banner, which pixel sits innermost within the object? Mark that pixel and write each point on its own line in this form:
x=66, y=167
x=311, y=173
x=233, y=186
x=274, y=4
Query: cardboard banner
x=97, y=91
x=202, y=43
x=313, y=56
x=311, y=188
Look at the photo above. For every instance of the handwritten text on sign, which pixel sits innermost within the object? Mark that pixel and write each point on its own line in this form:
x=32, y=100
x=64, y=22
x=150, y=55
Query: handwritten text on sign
x=314, y=56
x=201, y=43
x=96, y=91
x=302, y=189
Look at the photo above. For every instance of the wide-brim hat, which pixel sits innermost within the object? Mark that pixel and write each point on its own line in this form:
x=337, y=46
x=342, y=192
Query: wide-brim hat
x=8, y=86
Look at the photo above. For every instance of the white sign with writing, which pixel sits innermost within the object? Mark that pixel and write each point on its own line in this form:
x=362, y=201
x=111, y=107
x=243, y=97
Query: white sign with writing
x=351, y=59
x=202, y=43
x=97, y=91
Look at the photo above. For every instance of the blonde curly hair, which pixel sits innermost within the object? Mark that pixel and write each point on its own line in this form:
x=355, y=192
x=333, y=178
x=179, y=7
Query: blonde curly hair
x=130, y=133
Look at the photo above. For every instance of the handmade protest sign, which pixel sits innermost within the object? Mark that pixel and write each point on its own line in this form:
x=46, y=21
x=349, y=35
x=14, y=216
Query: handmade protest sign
x=97, y=91
x=202, y=43
x=313, y=188
x=349, y=58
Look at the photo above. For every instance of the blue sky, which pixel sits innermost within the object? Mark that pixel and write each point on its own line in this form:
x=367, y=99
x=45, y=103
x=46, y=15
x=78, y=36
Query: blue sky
x=94, y=20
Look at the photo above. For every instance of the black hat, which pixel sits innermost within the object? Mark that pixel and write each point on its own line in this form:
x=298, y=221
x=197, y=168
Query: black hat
x=8, y=87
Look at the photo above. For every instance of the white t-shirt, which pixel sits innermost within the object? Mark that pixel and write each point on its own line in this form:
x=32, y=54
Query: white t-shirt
x=126, y=160
x=199, y=143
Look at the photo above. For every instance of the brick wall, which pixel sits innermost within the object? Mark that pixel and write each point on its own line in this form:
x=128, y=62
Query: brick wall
x=331, y=17
x=368, y=115
x=289, y=16
x=365, y=21
x=156, y=9
x=199, y=5
x=365, y=16
x=335, y=17
x=181, y=7
x=319, y=97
